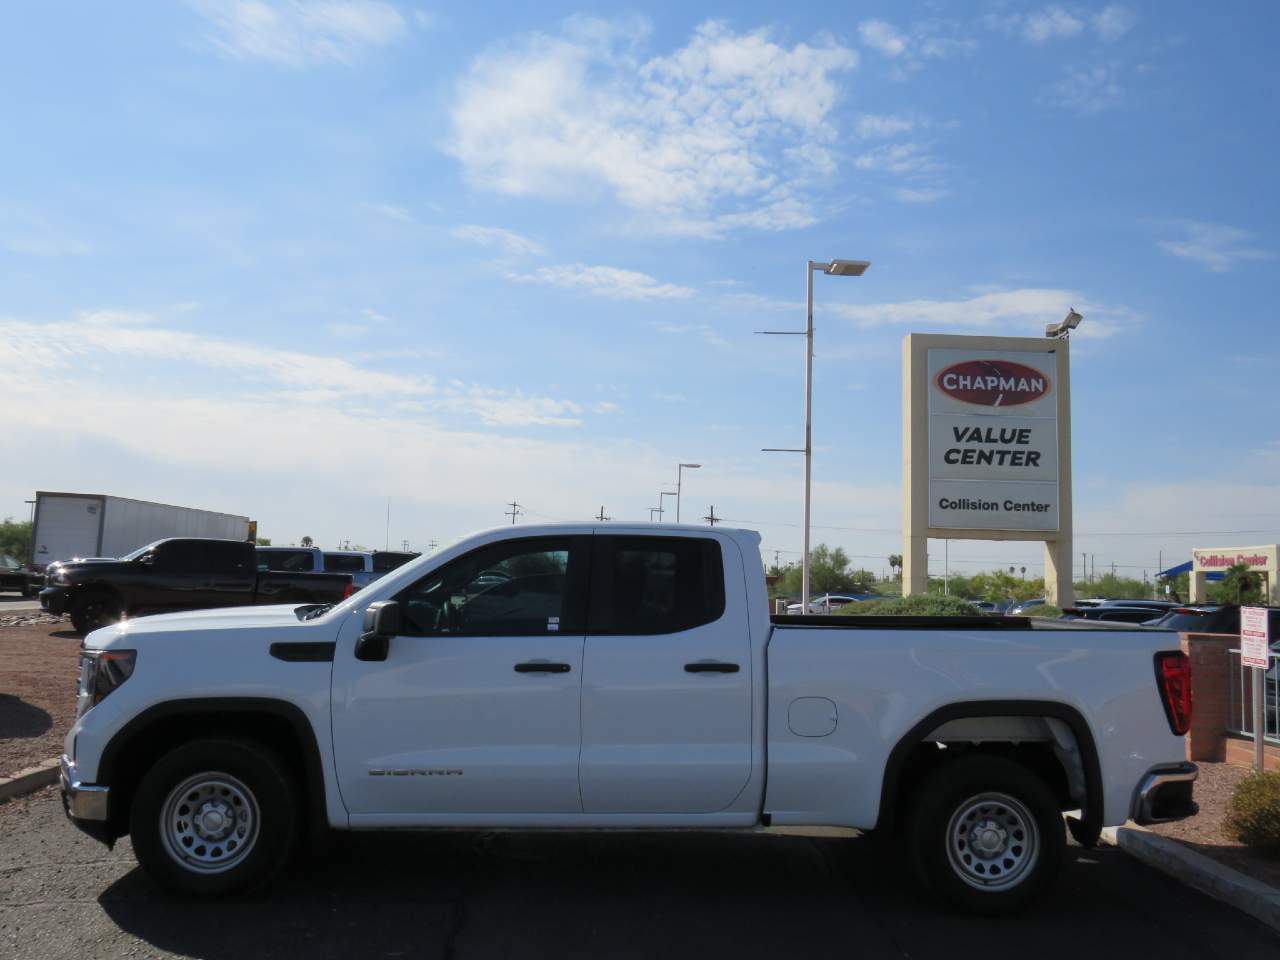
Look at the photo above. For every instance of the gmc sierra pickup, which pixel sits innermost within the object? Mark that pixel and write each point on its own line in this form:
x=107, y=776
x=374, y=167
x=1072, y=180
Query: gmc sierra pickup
x=180, y=573
x=619, y=676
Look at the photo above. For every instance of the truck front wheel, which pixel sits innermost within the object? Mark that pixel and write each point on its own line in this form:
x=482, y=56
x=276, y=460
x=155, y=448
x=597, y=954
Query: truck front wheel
x=215, y=818
x=93, y=609
x=985, y=834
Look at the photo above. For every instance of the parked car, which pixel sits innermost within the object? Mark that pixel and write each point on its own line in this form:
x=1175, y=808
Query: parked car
x=384, y=561
x=358, y=564
x=1212, y=618
x=181, y=573
x=1161, y=606
x=830, y=602
x=1111, y=614
x=14, y=575
x=553, y=676
x=1023, y=605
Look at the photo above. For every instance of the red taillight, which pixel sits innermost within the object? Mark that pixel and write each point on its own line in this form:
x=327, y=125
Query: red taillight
x=1173, y=675
x=351, y=588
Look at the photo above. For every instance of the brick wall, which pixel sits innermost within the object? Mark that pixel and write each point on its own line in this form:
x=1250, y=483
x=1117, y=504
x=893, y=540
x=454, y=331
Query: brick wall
x=1211, y=679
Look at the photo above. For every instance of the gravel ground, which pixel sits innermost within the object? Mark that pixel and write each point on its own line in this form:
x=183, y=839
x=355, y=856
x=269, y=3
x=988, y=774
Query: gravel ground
x=1205, y=832
x=38, y=675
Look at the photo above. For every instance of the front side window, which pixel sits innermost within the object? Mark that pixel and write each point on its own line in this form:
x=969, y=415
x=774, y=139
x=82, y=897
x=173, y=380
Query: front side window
x=651, y=585
x=513, y=588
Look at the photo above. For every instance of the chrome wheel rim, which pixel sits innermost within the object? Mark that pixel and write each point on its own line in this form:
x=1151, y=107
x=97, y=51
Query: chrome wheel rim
x=992, y=841
x=209, y=822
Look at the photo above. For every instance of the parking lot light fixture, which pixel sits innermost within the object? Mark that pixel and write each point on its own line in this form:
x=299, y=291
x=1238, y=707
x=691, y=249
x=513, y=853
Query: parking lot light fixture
x=680, y=468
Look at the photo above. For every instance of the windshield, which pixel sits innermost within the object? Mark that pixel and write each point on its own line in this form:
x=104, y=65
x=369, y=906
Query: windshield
x=141, y=550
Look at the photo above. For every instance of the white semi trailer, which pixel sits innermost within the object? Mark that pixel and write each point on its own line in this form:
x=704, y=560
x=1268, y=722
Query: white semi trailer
x=69, y=525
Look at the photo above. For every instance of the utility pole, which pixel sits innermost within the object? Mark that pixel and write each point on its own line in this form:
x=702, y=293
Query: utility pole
x=711, y=518
x=601, y=517
x=404, y=546
x=432, y=545
x=513, y=512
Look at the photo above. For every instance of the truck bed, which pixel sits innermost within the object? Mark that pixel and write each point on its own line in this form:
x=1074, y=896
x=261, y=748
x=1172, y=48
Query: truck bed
x=873, y=622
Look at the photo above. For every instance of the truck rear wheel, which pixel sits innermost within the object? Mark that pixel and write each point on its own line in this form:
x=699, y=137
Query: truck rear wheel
x=215, y=818
x=94, y=609
x=985, y=834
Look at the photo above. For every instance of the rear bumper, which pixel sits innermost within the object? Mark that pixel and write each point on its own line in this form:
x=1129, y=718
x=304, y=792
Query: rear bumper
x=1165, y=794
x=85, y=804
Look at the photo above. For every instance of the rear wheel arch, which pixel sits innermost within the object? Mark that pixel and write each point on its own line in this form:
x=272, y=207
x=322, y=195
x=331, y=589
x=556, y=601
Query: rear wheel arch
x=277, y=724
x=910, y=760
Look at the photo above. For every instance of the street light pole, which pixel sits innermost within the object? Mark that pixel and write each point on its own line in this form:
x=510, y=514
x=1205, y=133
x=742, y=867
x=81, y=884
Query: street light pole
x=661, y=502
x=680, y=468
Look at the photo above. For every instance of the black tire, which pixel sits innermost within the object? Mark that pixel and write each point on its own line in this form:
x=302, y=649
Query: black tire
x=93, y=609
x=241, y=781
x=985, y=834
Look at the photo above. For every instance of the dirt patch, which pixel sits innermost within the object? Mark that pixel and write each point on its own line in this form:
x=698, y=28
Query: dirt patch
x=39, y=673
x=1205, y=833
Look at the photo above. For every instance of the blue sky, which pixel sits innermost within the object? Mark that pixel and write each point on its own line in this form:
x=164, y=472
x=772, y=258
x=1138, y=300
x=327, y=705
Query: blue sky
x=290, y=259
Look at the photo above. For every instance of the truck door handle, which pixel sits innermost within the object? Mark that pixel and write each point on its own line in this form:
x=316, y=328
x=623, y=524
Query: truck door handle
x=710, y=666
x=541, y=666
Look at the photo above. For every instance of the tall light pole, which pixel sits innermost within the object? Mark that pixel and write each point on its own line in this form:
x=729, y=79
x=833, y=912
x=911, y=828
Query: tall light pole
x=663, y=503
x=833, y=268
x=680, y=468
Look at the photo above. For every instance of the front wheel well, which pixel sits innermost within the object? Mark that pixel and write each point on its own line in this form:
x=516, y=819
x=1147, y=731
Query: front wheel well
x=280, y=727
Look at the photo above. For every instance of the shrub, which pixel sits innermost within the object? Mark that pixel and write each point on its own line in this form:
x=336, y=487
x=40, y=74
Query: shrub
x=1253, y=815
x=1042, y=610
x=917, y=605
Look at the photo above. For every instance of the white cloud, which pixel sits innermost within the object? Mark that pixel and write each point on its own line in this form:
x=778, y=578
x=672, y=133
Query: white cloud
x=1051, y=23
x=926, y=40
x=1087, y=90
x=1058, y=23
x=900, y=158
x=300, y=32
x=1113, y=22
x=873, y=126
x=919, y=194
x=883, y=36
x=1214, y=246
x=507, y=240
x=143, y=352
x=608, y=282
x=696, y=141
x=1024, y=310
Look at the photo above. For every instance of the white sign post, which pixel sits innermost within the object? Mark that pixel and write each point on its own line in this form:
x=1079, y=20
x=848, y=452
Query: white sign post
x=1255, y=652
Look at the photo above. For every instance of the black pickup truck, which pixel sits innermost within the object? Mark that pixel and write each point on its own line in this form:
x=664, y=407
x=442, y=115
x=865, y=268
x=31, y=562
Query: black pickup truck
x=182, y=573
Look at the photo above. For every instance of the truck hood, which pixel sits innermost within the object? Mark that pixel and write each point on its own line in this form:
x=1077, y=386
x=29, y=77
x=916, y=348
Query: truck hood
x=187, y=621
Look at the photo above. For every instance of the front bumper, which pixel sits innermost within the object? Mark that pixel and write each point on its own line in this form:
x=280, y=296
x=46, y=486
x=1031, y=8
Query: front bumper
x=54, y=600
x=1165, y=794
x=85, y=804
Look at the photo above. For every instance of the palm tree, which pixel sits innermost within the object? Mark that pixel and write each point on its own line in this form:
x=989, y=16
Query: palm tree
x=895, y=564
x=307, y=541
x=1240, y=581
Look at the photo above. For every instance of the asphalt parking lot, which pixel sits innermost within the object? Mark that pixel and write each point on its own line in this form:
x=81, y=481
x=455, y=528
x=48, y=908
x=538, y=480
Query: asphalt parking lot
x=494, y=895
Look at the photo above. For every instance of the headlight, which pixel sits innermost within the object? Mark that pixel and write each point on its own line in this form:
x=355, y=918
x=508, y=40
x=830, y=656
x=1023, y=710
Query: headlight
x=101, y=671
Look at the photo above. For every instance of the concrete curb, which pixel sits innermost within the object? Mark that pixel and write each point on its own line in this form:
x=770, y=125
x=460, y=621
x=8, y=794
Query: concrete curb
x=29, y=780
x=1247, y=895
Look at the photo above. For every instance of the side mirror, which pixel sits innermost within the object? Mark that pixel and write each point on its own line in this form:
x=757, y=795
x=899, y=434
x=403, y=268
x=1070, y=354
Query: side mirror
x=147, y=559
x=381, y=623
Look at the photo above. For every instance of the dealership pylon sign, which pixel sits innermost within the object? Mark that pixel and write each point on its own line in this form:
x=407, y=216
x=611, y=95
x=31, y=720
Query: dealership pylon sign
x=986, y=448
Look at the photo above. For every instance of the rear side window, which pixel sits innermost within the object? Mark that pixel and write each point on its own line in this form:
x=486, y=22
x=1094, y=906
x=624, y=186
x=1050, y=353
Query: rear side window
x=286, y=561
x=343, y=563
x=384, y=561
x=653, y=585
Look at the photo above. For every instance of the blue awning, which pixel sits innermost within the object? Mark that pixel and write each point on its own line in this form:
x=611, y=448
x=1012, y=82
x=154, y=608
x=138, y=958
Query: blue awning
x=1184, y=568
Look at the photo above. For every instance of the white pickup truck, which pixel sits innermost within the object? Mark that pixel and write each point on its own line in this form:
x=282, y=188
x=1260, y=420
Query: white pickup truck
x=619, y=676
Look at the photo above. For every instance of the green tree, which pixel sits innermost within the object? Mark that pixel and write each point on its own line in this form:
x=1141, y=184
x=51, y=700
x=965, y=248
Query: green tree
x=895, y=564
x=15, y=538
x=264, y=541
x=828, y=573
x=1113, y=587
x=1239, y=584
x=308, y=542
